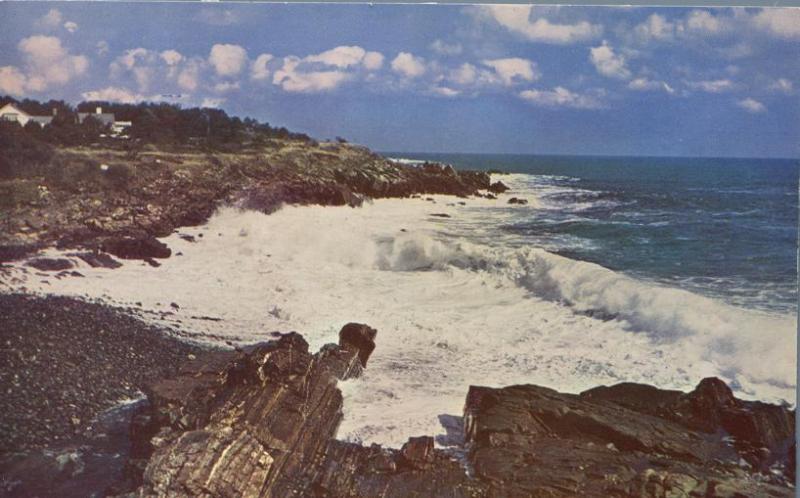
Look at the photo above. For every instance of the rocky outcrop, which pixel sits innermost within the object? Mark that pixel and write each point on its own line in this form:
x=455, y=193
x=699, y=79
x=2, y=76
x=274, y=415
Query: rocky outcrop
x=136, y=247
x=517, y=200
x=262, y=422
x=497, y=187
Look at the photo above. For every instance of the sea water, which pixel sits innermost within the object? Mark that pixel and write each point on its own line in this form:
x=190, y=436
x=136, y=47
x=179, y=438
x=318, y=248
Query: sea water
x=661, y=271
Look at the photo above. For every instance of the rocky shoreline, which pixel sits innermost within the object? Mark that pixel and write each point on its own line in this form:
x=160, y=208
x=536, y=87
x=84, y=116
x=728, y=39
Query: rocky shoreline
x=94, y=206
x=262, y=421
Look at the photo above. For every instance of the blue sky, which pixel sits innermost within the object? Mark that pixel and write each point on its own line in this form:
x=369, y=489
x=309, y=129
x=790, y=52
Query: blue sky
x=507, y=79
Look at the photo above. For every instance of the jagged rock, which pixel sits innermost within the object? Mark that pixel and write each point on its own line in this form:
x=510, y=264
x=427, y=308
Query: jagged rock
x=50, y=264
x=128, y=247
x=262, y=422
x=98, y=259
x=516, y=200
x=497, y=187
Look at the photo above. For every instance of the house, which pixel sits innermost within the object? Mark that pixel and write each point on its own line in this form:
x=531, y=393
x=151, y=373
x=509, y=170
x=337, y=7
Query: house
x=105, y=118
x=10, y=112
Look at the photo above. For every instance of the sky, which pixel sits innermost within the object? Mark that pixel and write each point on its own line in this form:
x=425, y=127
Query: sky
x=435, y=78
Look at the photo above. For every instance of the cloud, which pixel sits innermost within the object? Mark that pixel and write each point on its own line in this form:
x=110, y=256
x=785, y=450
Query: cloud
x=12, y=81
x=48, y=63
x=227, y=59
x=465, y=74
x=50, y=20
x=779, y=22
x=292, y=78
x=408, y=65
x=326, y=70
x=102, y=47
x=171, y=57
x=373, y=60
x=609, y=63
x=71, y=26
x=114, y=94
x=189, y=76
x=226, y=86
x=655, y=27
x=217, y=17
x=560, y=97
x=444, y=91
x=751, y=105
x=644, y=84
x=712, y=86
x=705, y=23
x=258, y=69
x=782, y=85
x=514, y=69
x=212, y=103
x=517, y=19
x=442, y=48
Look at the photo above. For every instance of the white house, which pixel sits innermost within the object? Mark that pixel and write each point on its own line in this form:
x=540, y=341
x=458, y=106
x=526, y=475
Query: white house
x=10, y=112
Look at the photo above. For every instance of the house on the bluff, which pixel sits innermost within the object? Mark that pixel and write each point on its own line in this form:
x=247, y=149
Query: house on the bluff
x=10, y=112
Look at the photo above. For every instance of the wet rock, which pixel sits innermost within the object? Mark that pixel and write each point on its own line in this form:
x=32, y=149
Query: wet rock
x=98, y=259
x=517, y=200
x=131, y=247
x=497, y=187
x=358, y=337
x=50, y=264
x=440, y=215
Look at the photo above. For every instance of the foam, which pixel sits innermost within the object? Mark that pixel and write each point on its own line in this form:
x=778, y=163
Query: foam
x=455, y=302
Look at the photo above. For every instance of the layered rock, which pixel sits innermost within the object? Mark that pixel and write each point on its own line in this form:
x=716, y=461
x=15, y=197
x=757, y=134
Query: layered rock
x=262, y=422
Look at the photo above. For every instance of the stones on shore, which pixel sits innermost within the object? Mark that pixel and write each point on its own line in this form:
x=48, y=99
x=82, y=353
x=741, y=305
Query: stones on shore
x=136, y=247
x=517, y=200
x=263, y=421
x=98, y=259
x=497, y=187
x=440, y=215
x=50, y=264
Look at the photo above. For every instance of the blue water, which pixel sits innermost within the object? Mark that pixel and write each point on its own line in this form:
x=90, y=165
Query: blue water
x=722, y=227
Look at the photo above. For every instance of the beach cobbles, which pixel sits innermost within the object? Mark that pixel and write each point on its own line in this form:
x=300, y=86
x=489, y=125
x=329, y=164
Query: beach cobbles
x=65, y=360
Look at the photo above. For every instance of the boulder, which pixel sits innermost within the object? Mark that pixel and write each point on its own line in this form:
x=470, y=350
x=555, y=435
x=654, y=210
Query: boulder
x=136, y=247
x=516, y=200
x=98, y=259
x=50, y=264
x=497, y=187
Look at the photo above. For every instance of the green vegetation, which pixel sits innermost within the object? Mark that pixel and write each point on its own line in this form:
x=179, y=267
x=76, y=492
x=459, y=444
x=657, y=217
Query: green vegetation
x=28, y=151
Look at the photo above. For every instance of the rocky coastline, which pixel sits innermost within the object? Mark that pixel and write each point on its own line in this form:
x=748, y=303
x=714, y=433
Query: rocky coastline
x=118, y=202
x=262, y=421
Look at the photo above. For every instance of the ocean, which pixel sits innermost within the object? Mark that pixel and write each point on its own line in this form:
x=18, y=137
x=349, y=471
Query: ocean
x=661, y=271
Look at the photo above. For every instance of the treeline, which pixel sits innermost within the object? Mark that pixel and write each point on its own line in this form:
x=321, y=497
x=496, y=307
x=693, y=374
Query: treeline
x=154, y=123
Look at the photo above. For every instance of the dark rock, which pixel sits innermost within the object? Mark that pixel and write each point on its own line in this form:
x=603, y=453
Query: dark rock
x=418, y=452
x=187, y=237
x=440, y=215
x=50, y=264
x=491, y=196
x=516, y=200
x=128, y=247
x=98, y=259
x=359, y=337
x=497, y=187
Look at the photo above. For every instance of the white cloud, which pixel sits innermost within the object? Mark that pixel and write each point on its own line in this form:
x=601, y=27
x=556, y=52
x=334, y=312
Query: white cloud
x=258, y=70
x=465, y=74
x=751, y=105
x=171, y=57
x=341, y=57
x=71, y=26
x=644, y=84
x=408, y=65
x=443, y=48
x=114, y=94
x=560, y=97
x=50, y=20
x=212, y=103
x=514, y=69
x=373, y=61
x=705, y=23
x=48, y=63
x=655, y=27
x=782, y=85
x=517, y=19
x=102, y=47
x=779, y=22
x=226, y=86
x=292, y=79
x=12, y=81
x=189, y=77
x=217, y=16
x=712, y=86
x=609, y=63
x=445, y=91
x=227, y=59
